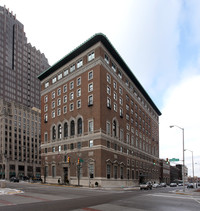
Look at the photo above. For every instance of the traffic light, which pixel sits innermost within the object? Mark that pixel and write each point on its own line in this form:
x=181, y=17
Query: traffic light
x=68, y=159
x=78, y=161
x=154, y=162
x=167, y=160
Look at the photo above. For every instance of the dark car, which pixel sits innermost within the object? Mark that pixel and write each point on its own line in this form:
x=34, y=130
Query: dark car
x=14, y=179
x=190, y=185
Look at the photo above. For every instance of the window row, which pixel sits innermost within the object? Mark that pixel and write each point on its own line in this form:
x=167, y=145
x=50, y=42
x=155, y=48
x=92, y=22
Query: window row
x=69, y=69
x=69, y=129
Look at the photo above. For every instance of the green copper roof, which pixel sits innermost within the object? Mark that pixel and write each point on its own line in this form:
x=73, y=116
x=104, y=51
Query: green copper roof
x=87, y=44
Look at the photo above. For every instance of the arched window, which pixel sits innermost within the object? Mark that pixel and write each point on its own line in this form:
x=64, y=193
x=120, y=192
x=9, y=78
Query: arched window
x=65, y=129
x=59, y=131
x=72, y=128
x=79, y=126
x=114, y=128
x=54, y=132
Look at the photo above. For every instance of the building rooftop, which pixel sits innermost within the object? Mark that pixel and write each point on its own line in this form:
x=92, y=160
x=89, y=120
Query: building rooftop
x=89, y=43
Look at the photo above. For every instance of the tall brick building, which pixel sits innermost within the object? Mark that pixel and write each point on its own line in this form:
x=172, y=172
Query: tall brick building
x=98, y=122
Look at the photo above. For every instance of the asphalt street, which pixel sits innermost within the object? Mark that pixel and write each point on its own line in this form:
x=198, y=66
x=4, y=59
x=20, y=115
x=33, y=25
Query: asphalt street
x=53, y=197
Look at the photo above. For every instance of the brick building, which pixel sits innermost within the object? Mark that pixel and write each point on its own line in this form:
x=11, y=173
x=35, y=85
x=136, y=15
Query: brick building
x=98, y=122
x=164, y=171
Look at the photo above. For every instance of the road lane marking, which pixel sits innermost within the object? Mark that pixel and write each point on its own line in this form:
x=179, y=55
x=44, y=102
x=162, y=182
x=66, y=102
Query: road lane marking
x=33, y=197
x=6, y=202
x=177, y=197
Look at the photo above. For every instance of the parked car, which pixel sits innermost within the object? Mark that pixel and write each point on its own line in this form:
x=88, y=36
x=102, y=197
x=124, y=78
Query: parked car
x=173, y=184
x=180, y=184
x=163, y=184
x=146, y=186
x=190, y=185
x=156, y=185
x=14, y=179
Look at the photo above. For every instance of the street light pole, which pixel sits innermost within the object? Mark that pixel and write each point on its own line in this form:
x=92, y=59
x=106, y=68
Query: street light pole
x=183, y=169
x=192, y=164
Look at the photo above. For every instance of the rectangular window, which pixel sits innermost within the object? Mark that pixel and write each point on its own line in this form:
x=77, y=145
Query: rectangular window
x=65, y=99
x=64, y=88
x=90, y=126
x=106, y=58
x=121, y=112
x=108, y=78
x=108, y=90
x=78, y=103
x=59, y=148
x=115, y=107
x=120, y=91
x=53, y=104
x=46, y=84
x=79, y=63
x=90, y=87
x=71, y=86
x=78, y=92
x=59, y=112
x=119, y=74
x=71, y=96
x=91, y=170
x=59, y=92
x=45, y=137
x=59, y=102
x=114, y=67
x=90, y=75
x=91, y=143
x=78, y=81
x=54, y=80
x=91, y=56
x=45, y=118
x=71, y=107
x=120, y=101
x=59, y=76
x=108, y=128
x=65, y=109
x=53, y=149
x=90, y=100
x=66, y=72
x=72, y=68
x=45, y=108
x=46, y=99
x=79, y=145
x=53, y=95
x=108, y=102
x=115, y=95
x=53, y=114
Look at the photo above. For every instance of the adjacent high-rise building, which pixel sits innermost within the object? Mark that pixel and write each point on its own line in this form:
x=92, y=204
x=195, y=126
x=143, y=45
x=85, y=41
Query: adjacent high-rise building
x=20, y=64
x=99, y=125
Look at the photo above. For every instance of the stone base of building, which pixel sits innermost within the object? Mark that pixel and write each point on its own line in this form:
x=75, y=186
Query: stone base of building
x=98, y=182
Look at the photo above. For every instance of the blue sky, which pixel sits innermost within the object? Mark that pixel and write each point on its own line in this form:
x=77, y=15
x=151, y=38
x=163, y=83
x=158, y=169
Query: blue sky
x=158, y=39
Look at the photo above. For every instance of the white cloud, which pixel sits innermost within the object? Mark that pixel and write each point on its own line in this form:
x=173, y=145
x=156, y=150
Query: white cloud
x=181, y=108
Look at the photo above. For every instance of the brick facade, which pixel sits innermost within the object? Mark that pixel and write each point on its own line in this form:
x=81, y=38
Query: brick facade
x=97, y=115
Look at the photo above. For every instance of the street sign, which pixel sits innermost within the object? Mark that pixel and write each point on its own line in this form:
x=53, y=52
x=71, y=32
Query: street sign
x=173, y=159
